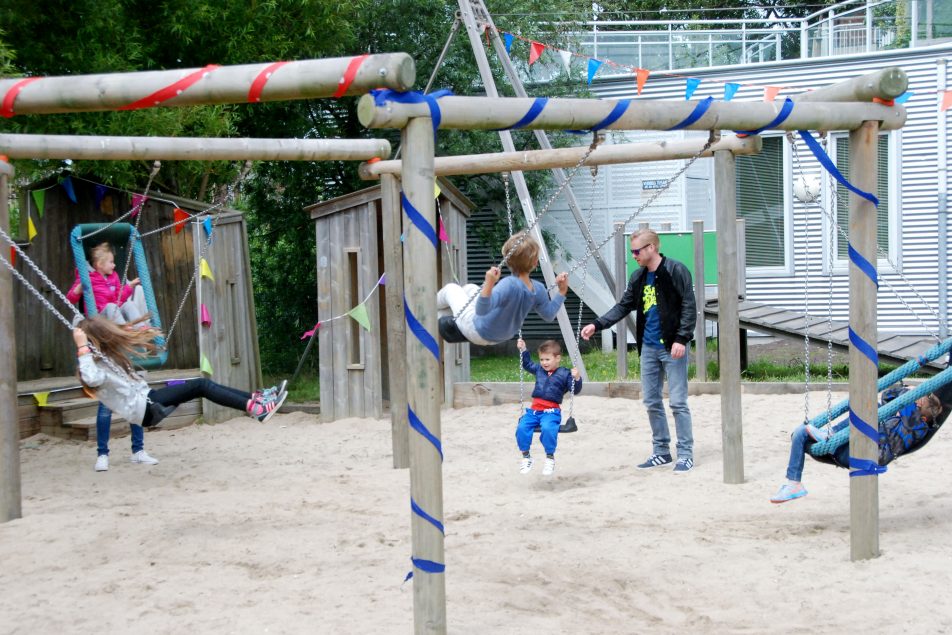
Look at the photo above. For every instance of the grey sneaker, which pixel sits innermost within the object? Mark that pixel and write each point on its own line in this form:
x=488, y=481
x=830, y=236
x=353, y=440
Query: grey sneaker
x=683, y=465
x=655, y=460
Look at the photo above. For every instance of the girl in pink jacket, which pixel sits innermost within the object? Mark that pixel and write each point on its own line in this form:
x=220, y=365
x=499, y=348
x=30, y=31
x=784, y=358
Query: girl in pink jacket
x=112, y=299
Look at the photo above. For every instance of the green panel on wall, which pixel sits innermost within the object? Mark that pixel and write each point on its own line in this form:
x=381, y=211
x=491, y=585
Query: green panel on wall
x=680, y=246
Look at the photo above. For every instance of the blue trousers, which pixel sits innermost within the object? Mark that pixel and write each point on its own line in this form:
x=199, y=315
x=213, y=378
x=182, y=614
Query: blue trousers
x=656, y=363
x=548, y=421
x=104, y=423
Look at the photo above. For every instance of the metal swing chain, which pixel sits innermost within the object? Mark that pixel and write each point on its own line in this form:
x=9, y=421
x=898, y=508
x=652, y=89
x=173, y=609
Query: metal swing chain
x=806, y=311
x=581, y=295
x=528, y=230
x=134, y=235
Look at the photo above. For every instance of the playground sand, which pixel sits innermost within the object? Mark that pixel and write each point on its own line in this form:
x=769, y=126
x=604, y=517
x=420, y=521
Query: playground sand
x=301, y=527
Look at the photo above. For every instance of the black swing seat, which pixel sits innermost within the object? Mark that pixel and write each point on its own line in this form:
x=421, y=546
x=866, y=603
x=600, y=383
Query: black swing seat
x=568, y=426
x=449, y=331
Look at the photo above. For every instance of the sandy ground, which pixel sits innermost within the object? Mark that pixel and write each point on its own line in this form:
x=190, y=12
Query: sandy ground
x=301, y=527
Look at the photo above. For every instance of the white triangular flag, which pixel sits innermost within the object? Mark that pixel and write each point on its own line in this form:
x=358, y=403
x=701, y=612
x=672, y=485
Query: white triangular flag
x=566, y=59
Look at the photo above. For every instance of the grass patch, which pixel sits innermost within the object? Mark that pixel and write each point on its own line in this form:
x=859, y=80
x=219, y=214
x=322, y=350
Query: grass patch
x=306, y=388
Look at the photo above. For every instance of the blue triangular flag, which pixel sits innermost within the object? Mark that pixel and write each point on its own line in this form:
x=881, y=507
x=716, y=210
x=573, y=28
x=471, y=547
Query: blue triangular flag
x=68, y=186
x=207, y=224
x=100, y=195
x=903, y=98
x=593, y=65
x=690, y=86
x=730, y=90
x=507, y=39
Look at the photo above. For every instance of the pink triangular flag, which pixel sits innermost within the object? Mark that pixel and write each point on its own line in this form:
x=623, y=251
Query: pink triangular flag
x=641, y=75
x=138, y=200
x=946, y=101
x=535, y=51
x=770, y=92
x=443, y=236
x=206, y=316
x=311, y=333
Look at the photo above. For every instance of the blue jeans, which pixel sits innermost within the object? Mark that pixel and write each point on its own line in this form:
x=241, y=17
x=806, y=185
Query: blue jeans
x=546, y=420
x=799, y=440
x=104, y=422
x=656, y=363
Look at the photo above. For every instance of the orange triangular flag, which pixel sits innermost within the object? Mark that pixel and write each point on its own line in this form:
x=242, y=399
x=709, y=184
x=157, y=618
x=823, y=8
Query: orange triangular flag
x=946, y=101
x=535, y=51
x=642, y=77
x=180, y=217
x=770, y=92
x=13, y=256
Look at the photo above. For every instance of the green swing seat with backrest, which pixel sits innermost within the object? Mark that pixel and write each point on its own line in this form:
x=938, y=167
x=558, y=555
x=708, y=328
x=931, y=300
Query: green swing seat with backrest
x=82, y=240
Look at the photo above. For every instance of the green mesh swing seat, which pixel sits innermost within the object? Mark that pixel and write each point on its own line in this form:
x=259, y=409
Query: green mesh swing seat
x=82, y=240
x=831, y=449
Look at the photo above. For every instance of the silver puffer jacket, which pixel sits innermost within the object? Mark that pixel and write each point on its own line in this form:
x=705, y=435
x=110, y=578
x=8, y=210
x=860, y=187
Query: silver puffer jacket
x=124, y=395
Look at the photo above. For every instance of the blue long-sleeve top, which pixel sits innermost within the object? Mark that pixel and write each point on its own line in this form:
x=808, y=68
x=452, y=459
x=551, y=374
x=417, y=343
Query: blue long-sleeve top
x=550, y=386
x=500, y=316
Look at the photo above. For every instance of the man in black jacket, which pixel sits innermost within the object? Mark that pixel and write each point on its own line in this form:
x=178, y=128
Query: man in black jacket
x=662, y=295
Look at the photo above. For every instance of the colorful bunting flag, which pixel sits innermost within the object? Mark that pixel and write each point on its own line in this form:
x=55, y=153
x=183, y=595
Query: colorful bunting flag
x=566, y=60
x=67, y=184
x=383, y=279
x=311, y=333
x=946, y=101
x=730, y=89
x=207, y=224
x=138, y=200
x=180, y=217
x=507, y=40
x=30, y=229
x=444, y=237
x=206, y=366
x=690, y=85
x=641, y=76
x=39, y=197
x=206, y=270
x=206, y=318
x=106, y=206
x=593, y=65
x=770, y=92
x=535, y=51
x=41, y=398
x=436, y=190
x=359, y=313
x=175, y=382
x=903, y=98
x=13, y=256
x=100, y=195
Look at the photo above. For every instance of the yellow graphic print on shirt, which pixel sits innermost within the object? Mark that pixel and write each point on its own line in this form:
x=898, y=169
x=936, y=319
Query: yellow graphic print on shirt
x=649, y=298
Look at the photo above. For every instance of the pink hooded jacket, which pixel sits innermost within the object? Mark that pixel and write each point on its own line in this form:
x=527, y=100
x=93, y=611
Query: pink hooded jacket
x=105, y=290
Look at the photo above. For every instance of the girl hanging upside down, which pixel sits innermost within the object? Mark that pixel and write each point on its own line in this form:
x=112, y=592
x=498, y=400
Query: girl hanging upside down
x=110, y=372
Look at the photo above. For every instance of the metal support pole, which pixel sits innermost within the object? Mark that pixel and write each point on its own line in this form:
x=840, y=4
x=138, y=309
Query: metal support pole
x=424, y=384
x=700, y=330
x=725, y=209
x=10, y=494
x=864, y=490
x=392, y=227
x=621, y=280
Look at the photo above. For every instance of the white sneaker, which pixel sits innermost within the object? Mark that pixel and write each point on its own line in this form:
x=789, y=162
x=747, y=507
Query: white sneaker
x=102, y=462
x=525, y=465
x=143, y=457
x=549, y=467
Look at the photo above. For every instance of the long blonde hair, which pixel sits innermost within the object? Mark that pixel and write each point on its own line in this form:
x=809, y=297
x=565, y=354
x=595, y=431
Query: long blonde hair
x=119, y=342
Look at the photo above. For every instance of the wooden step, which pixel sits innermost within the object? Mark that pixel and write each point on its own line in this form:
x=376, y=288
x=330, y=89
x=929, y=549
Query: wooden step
x=67, y=410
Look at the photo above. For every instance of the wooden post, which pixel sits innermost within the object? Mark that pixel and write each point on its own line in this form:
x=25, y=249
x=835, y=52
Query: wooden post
x=621, y=281
x=493, y=113
x=392, y=227
x=27, y=146
x=424, y=382
x=10, y=494
x=864, y=490
x=700, y=332
x=725, y=206
x=303, y=79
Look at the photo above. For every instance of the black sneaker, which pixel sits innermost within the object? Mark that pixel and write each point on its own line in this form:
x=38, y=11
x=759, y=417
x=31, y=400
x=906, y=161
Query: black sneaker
x=655, y=460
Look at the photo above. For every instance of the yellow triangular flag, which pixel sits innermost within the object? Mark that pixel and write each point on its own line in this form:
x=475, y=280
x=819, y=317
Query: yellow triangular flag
x=41, y=398
x=206, y=270
x=30, y=229
x=359, y=313
x=436, y=191
x=207, y=366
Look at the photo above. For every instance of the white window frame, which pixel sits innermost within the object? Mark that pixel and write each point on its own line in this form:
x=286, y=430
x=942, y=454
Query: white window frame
x=893, y=262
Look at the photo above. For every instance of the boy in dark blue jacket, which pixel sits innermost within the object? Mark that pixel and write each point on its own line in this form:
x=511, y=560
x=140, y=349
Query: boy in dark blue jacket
x=545, y=413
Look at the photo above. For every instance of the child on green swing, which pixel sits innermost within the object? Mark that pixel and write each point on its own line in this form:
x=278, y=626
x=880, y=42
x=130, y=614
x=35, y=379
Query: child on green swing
x=112, y=298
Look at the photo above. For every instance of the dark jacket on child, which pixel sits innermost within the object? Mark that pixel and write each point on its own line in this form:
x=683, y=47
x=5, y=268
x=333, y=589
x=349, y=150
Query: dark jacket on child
x=550, y=387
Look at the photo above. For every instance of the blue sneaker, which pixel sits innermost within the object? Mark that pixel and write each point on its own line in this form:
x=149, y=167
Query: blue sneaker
x=818, y=434
x=655, y=460
x=683, y=465
x=788, y=492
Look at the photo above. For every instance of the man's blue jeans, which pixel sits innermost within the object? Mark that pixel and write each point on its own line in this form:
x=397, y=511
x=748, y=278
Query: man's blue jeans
x=104, y=422
x=656, y=363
